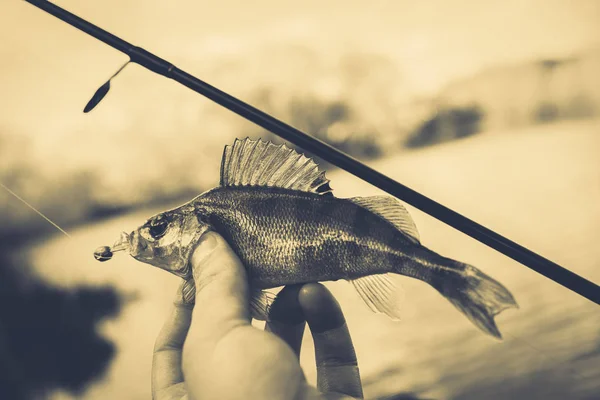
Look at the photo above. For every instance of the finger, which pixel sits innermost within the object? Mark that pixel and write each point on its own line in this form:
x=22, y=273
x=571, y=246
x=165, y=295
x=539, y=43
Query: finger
x=287, y=319
x=221, y=304
x=221, y=288
x=166, y=360
x=337, y=367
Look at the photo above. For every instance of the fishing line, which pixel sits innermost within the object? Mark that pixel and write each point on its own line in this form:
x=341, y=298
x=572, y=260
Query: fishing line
x=36, y=210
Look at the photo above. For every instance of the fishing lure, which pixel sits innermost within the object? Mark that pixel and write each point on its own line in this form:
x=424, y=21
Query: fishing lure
x=277, y=211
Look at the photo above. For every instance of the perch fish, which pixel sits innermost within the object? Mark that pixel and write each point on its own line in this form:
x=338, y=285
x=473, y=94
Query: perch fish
x=278, y=213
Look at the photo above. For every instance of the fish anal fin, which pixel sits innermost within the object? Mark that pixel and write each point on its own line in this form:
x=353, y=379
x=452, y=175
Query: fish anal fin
x=391, y=210
x=260, y=304
x=250, y=162
x=381, y=294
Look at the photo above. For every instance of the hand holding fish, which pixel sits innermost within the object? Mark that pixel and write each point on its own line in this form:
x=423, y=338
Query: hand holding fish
x=221, y=355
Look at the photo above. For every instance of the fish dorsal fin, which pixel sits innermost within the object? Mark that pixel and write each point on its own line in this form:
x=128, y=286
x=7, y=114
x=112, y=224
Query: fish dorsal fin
x=256, y=163
x=391, y=210
x=381, y=294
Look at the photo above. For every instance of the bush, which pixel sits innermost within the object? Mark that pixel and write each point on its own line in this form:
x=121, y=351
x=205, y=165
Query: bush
x=333, y=122
x=546, y=112
x=48, y=337
x=445, y=125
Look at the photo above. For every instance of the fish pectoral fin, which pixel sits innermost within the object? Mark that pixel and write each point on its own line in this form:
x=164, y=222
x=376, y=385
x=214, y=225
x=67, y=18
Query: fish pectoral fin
x=393, y=211
x=260, y=304
x=187, y=290
x=381, y=294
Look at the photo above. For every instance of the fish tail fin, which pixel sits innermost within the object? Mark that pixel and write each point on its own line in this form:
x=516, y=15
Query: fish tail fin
x=475, y=294
x=472, y=292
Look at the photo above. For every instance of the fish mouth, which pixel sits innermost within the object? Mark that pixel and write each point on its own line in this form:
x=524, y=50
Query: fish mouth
x=136, y=245
x=133, y=244
x=123, y=243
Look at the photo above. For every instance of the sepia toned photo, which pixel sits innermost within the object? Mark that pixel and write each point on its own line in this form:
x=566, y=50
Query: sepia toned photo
x=387, y=200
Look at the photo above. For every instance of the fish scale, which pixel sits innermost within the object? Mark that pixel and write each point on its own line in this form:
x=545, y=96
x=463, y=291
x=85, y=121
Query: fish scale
x=279, y=215
x=293, y=237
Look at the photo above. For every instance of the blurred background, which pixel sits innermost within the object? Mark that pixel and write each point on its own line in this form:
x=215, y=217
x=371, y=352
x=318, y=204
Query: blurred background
x=491, y=108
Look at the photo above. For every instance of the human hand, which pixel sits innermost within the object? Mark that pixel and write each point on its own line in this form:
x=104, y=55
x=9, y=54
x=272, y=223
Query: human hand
x=211, y=350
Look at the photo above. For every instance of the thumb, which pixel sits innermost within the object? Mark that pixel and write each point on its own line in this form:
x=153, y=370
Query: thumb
x=221, y=289
x=221, y=307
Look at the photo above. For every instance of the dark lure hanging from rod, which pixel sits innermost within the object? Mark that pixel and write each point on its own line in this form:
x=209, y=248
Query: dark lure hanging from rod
x=102, y=91
x=328, y=153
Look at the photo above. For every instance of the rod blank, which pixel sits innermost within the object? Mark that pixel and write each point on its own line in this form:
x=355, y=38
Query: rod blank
x=500, y=243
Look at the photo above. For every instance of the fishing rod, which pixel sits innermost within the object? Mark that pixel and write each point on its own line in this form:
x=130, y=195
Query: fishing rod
x=328, y=153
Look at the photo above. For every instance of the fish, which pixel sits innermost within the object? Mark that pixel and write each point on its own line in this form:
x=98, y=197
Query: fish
x=277, y=211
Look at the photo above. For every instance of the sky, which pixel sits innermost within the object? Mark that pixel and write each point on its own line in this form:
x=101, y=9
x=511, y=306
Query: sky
x=433, y=41
x=375, y=54
x=449, y=36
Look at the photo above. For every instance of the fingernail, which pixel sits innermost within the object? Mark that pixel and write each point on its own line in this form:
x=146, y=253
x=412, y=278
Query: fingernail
x=208, y=242
x=320, y=308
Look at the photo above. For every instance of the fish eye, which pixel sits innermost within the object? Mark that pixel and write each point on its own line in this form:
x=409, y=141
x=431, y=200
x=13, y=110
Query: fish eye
x=158, y=228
